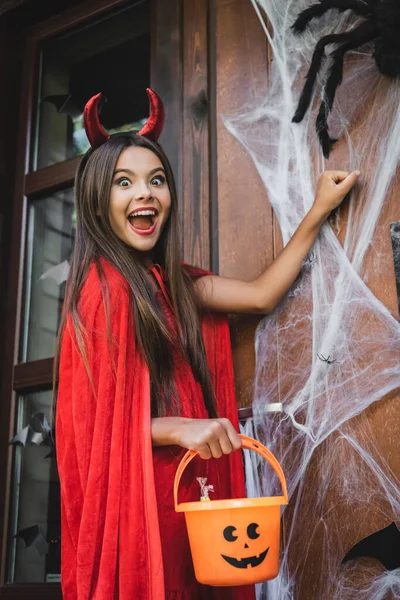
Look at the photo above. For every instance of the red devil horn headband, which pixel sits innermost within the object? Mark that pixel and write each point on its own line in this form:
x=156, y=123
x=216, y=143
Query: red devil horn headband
x=97, y=135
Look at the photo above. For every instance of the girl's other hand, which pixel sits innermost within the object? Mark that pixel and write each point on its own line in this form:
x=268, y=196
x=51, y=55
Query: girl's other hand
x=211, y=438
x=332, y=187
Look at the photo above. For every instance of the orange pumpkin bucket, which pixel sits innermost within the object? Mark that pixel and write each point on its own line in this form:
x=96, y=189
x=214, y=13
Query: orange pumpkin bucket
x=234, y=542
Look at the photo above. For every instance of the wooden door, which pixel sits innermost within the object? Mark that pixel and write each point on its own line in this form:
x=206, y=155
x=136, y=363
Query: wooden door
x=330, y=521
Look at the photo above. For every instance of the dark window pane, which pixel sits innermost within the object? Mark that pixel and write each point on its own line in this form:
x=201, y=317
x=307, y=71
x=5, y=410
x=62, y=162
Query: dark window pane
x=111, y=56
x=395, y=233
x=35, y=542
x=50, y=236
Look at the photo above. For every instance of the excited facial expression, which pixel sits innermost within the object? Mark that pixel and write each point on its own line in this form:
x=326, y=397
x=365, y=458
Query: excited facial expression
x=140, y=199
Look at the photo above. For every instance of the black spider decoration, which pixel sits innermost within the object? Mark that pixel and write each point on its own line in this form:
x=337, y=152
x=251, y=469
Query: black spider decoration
x=382, y=24
x=328, y=360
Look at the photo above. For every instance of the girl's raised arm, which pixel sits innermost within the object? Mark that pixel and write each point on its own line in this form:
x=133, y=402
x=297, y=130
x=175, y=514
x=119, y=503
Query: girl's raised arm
x=263, y=295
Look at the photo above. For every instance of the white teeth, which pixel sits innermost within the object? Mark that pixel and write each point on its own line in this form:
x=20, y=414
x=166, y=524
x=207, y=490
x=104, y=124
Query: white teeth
x=143, y=213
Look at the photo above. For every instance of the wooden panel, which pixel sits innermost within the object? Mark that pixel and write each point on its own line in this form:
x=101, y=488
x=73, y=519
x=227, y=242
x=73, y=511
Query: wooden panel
x=76, y=16
x=179, y=74
x=10, y=63
x=7, y=5
x=52, y=178
x=213, y=137
x=166, y=78
x=196, y=213
x=245, y=217
x=46, y=591
x=245, y=413
x=13, y=308
x=37, y=374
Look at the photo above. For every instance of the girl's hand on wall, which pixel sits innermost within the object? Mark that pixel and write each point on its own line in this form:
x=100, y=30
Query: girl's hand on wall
x=211, y=438
x=332, y=187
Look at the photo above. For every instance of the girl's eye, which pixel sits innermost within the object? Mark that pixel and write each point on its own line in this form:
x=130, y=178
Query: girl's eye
x=158, y=180
x=123, y=182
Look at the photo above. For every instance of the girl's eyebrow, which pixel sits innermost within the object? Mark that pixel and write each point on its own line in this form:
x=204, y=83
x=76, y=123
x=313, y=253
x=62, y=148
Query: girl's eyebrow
x=132, y=172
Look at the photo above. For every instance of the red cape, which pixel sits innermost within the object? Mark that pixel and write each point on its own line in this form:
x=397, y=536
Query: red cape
x=110, y=535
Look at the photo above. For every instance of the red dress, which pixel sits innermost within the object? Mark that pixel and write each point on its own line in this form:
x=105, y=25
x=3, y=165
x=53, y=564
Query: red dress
x=121, y=537
x=180, y=582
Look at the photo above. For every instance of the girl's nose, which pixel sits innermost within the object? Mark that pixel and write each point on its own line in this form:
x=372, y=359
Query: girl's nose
x=143, y=191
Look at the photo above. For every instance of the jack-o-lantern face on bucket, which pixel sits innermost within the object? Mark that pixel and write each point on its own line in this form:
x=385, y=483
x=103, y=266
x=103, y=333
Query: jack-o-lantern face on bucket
x=235, y=546
x=234, y=542
x=253, y=555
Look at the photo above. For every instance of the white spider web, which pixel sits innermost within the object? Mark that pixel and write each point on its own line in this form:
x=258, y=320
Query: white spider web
x=340, y=486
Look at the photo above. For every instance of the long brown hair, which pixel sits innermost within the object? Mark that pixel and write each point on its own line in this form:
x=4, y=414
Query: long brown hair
x=95, y=239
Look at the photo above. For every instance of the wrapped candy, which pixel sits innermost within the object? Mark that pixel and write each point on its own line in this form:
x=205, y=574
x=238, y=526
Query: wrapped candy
x=205, y=489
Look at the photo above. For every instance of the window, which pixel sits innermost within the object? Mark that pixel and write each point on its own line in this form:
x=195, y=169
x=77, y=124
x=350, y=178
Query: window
x=107, y=51
x=395, y=235
x=111, y=56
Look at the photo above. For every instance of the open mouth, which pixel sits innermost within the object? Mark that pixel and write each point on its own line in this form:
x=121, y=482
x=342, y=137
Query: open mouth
x=143, y=221
x=243, y=563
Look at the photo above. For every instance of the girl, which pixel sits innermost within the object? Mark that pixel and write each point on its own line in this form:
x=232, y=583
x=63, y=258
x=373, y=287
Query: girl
x=145, y=371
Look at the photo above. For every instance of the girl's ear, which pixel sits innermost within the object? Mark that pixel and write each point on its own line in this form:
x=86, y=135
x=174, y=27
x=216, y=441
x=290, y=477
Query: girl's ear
x=98, y=211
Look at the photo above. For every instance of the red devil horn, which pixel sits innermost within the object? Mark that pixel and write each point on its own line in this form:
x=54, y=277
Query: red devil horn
x=97, y=135
x=155, y=122
x=94, y=130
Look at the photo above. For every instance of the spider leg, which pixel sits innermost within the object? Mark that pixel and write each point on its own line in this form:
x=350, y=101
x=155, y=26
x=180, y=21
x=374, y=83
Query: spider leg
x=321, y=357
x=317, y=10
x=360, y=35
x=316, y=61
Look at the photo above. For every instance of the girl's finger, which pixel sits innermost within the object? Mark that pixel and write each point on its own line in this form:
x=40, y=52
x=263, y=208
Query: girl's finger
x=215, y=448
x=204, y=451
x=225, y=442
x=348, y=183
x=338, y=175
x=233, y=436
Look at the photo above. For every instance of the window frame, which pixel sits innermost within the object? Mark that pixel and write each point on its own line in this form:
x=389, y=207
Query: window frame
x=21, y=378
